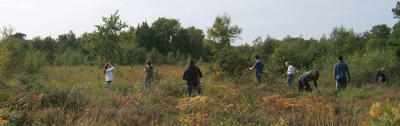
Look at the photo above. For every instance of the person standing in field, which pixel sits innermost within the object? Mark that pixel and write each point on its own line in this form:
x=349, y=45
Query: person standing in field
x=384, y=74
x=258, y=66
x=304, y=79
x=108, y=68
x=341, y=72
x=148, y=74
x=290, y=73
x=191, y=75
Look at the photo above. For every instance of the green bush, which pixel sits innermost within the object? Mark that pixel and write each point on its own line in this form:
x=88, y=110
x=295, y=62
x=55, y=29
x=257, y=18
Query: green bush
x=34, y=61
x=363, y=67
x=11, y=57
x=229, y=63
x=156, y=57
x=71, y=57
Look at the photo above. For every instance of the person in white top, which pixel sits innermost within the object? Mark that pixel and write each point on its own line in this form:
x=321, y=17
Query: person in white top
x=290, y=73
x=108, y=68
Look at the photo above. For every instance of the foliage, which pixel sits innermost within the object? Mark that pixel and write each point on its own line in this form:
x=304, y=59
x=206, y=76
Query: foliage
x=105, y=43
x=155, y=57
x=46, y=45
x=67, y=41
x=383, y=113
x=363, y=67
x=381, y=32
x=229, y=63
x=71, y=57
x=222, y=34
x=12, y=55
x=396, y=10
x=346, y=41
x=34, y=61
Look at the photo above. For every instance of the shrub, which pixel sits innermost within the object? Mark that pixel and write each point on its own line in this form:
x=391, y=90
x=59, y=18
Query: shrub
x=229, y=63
x=71, y=57
x=155, y=56
x=363, y=67
x=34, y=61
x=11, y=57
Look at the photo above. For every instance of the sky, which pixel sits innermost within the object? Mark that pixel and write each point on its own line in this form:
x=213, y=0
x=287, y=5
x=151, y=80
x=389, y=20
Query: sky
x=258, y=18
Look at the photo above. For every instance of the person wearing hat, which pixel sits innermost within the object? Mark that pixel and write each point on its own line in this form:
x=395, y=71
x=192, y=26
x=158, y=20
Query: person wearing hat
x=341, y=71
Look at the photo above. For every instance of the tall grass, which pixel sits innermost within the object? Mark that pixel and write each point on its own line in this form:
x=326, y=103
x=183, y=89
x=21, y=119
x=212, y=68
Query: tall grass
x=78, y=96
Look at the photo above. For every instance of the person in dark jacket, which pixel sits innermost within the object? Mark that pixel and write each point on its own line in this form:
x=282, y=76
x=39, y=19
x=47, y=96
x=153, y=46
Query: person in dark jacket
x=384, y=74
x=259, y=67
x=191, y=75
x=312, y=75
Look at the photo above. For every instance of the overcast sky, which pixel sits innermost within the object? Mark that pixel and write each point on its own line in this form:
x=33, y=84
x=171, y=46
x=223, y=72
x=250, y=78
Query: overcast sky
x=277, y=18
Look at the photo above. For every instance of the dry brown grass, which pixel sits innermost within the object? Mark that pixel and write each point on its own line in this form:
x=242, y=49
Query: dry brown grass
x=70, y=97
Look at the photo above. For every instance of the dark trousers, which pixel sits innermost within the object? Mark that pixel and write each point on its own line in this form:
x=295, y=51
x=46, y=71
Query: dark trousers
x=341, y=83
x=192, y=89
x=306, y=84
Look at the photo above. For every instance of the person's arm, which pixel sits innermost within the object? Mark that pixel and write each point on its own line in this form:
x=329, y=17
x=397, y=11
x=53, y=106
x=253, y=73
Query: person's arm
x=348, y=72
x=376, y=77
x=316, y=85
x=184, y=75
x=251, y=68
x=110, y=69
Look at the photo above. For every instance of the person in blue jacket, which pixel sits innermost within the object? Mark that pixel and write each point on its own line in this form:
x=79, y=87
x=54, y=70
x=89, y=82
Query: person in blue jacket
x=258, y=66
x=341, y=72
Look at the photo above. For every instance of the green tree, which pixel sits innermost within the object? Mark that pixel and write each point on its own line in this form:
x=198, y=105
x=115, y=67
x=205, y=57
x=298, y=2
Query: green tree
x=265, y=48
x=155, y=56
x=7, y=31
x=105, y=43
x=394, y=39
x=47, y=45
x=396, y=10
x=171, y=58
x=222, y=34
x=167, y=32
x=346, y=41
x=145, y=36
x=66, y=41
x=12, y=56
x=382, y=33
x=196, y=39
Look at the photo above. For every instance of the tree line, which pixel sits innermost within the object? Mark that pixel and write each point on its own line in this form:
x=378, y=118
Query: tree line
x=165, y=41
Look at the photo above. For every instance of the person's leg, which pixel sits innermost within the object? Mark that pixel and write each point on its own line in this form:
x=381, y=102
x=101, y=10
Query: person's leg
x=337, y=85
x=259, y=76
x=308, y=87
x=199, y=91
x=189, y=90
x=290, y=80
x=300, y=86
x=108, y=83
x=343, y=83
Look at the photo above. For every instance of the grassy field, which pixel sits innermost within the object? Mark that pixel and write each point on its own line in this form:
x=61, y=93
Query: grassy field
x=67, y=95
